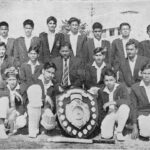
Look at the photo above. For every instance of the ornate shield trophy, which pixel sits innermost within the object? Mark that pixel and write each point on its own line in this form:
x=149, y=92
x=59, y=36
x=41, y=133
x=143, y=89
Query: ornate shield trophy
x=77, y=112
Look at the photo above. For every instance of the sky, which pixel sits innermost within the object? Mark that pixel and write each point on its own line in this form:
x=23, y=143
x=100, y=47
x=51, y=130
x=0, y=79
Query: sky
x=108, y=12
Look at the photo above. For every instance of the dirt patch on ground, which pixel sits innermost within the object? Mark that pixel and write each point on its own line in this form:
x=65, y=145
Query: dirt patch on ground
x=22, y=141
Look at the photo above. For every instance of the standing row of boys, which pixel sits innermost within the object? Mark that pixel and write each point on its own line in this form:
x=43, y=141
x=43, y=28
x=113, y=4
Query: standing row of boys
x=118, y=73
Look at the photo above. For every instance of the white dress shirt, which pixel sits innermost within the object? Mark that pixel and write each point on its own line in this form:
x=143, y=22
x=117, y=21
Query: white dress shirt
x=99, y=70
x=51, y=39
x=147, y=89
x=33, y=65
x=132, y=64
x=28, y=41
x=97, y=43
x=111, y=94
x=73, y=41
x=124, y=41
x=69, y=83
x=12, y=94
x=46, y=86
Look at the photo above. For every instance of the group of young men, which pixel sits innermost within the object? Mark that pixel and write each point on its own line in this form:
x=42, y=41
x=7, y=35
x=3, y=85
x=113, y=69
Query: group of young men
x=34, y=70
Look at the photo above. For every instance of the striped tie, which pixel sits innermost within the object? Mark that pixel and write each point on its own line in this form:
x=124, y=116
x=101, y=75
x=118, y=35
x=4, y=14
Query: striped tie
x=65, y=74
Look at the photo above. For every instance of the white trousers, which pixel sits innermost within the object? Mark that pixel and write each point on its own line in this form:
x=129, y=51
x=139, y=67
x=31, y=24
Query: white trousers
x=34, y=114
x=10, y=114
x=144, y=125
x=4, y=106
x=120, y=116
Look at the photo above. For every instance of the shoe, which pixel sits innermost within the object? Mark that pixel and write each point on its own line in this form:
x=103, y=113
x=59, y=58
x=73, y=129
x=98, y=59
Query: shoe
x=3, y=134
x=120, y=137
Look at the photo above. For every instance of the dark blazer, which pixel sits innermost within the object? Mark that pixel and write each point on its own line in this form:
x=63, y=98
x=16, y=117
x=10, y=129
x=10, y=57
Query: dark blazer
x=144, y=48
x=20, y=50
x=10, y=47
x=91, y=76
x=117, y=53
x=45, y=54
x=26, y=76
x=91, y=47
x=81, y=50
x=139, y=102
x=125, y=71
x=8, y=62
x=120, y=96
x=75, y=70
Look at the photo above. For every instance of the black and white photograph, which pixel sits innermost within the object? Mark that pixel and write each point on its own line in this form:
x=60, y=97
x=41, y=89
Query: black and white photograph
x=74, y=74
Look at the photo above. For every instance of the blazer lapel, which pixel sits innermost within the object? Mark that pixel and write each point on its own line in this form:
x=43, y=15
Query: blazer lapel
x=120, y=47
x=23, y=44
x=143, y=93
x=94, y=74
x=136, y=68
x=128, y=67
x=79, y=40
x=92, y=47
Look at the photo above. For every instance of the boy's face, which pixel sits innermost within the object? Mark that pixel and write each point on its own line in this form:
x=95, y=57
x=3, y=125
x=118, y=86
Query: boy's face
x=48, y=74
x=109, y=82
x=4, y=31
x=28, y=30
x=146, y=75
x=33, y=55
x=2, y=51
x=99, y=57
x=131, y=51
x=125, y=30
x=51, y=26
x=65, y=52
x=97, y=32
x=74, y=27
x=12, y=82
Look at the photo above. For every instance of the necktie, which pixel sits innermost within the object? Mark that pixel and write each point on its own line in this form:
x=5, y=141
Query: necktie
x=65, y=74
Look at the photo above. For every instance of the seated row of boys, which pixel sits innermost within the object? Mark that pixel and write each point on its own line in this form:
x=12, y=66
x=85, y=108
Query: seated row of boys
x=39, y=84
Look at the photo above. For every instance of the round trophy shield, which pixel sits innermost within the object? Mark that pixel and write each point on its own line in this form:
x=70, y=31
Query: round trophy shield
x=77, y=112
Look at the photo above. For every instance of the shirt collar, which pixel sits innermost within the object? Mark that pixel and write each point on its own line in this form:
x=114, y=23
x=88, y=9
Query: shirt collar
x=16, y=88
x=36, y=64
x=28, y=38
x=97, y=39
x=107, y=90
x=70, y=33
x=143, y=84
x=51, y=34
x=4, y=39
x=41, y=77
x=133, y=59
x=95, y=65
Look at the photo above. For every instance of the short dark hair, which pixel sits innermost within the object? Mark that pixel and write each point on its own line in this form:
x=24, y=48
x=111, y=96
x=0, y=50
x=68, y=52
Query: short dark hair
x=148, y=28
x=3, y=44
x=4, y=23
x=51, y=18
x=35, y=48
x=97, y=25
x=66, y=44
x=108, y=71
x=124, y=24
x=132, y=41
x=146, y=66
x=72, y=19
x=98, y=49
x=28, y=22
x=48, y=65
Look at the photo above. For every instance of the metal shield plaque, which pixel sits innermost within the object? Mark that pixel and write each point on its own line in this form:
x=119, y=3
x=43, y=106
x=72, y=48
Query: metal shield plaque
x=77, y=112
